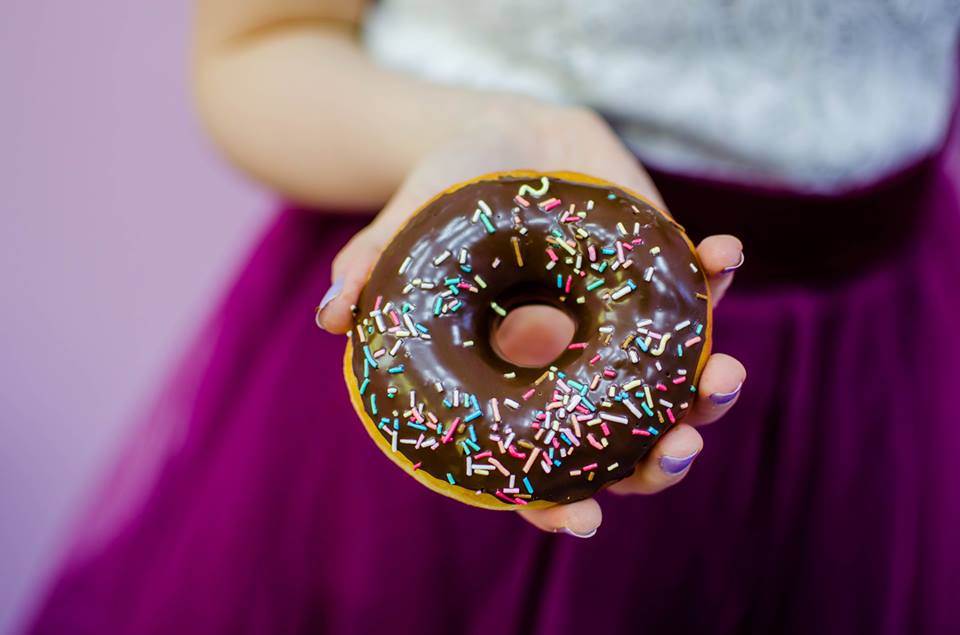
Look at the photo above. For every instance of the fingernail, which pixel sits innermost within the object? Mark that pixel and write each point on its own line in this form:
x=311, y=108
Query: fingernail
x=331, y=293
x=721, y=398
x=673, y=465
x=734, y=267
x=570, y=532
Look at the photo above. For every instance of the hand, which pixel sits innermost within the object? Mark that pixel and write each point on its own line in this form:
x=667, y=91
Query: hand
x=526, y=136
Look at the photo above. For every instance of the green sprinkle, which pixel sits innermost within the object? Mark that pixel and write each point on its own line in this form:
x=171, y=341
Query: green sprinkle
x=486, y=223
x=596, y=283
x=499, y=309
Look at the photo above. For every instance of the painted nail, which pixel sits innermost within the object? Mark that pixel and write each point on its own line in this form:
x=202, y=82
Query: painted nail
x=570, y=532
x=734, y=267
x=673, y=465
x=331, y=293
x=722, y=398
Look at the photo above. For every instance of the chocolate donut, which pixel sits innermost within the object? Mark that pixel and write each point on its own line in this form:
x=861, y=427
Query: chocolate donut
x=430, y=387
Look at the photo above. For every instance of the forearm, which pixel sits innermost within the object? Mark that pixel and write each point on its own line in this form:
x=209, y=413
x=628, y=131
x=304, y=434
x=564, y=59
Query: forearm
x=300, y=107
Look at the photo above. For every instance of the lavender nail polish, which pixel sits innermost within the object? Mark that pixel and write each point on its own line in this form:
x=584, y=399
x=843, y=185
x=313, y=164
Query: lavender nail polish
x=331, y=293
x=673, y=465
x=734, y=267
x=722, y=398
x=570, y=532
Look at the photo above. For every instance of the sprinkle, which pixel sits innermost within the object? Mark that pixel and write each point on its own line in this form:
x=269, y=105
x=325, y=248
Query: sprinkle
x=498, y=309
x=519, y=200
x=510, y=403
x=577, y=345
x=439, y=259
x=516, y=250
x=528, y=394
x=549, y=204
x=480, y=281
x=487, y=224
x=614, y=418
x=406, y=263
x=537, y=193
x=596, y=283
x=693, y=340
x=369, y=356
x=396, y=370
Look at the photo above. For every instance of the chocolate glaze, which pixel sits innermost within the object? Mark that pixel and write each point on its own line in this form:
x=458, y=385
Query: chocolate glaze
x=601, y=440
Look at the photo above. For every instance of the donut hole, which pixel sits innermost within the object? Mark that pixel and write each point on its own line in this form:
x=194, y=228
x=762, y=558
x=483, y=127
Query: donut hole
x=533, y=335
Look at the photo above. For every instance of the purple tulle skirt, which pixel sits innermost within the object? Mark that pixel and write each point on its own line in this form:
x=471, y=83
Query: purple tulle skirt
x=828, y=501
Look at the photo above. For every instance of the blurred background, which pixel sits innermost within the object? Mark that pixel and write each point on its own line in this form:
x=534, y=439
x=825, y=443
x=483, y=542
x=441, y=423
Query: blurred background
x=118, y=230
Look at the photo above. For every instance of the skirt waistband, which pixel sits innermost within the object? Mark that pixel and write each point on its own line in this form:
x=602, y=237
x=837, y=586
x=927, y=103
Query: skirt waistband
x=805, y=238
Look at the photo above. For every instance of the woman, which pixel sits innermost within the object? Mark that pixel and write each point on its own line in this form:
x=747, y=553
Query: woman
x=826, y=502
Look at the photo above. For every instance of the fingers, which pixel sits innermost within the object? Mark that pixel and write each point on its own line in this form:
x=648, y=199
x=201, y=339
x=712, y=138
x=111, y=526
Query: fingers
x=718, y=390
x=665, y=465
x=580, y=519
x=350, y=270
x=720, y=255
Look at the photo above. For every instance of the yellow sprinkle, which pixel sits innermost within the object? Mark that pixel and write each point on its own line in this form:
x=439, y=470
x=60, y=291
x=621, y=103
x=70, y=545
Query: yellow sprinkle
x=516, y=250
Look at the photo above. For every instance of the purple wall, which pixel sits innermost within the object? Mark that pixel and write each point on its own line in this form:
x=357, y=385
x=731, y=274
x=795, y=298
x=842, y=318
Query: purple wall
x=118, y=227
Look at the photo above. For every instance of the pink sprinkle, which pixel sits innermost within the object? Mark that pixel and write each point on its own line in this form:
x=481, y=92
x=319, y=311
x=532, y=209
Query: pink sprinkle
x=642, y=433
x=592, y=253
x=519, y=200
x=376, y=305
x=627, y=246
x=583, y=410
x=593, y=441
x=595, y=359
x=587, y=468
x=606, y=430
x=553, y=203
x=670, y=416
x=661, y=387
x=515, y=501
x=693, y=340
x=516, y=453
x=449, y=433
x=609, y=373
x=416, y=466
x=680, y=380
x=569, y=281
x=529, y=393
x=580, y=345
x=552, y=254
x=393, y=316
x=482, y=455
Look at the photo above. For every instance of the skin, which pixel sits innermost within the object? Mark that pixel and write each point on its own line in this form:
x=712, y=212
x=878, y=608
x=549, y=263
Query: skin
x=289, y=96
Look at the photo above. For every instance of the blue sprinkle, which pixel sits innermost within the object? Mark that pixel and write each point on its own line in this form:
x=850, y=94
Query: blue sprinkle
x=653, y=431
x=373, y=403
x=476, y=414
x=363, y=386
x=450, y=478
x=421, y=328
x=396, y=370
x=526, y=483
x=417, y=426
x=369, y=356
x=646, y=408
x=447, y=403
